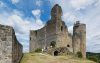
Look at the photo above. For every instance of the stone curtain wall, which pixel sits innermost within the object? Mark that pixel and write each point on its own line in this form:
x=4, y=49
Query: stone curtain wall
x=10, y=48
x=5, y=44
x=16, y=49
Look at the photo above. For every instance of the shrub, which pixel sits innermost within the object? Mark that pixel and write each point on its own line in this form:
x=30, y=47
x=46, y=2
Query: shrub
x=79, y=54
x=93, y=58
x=98, y=61
x=38, y=50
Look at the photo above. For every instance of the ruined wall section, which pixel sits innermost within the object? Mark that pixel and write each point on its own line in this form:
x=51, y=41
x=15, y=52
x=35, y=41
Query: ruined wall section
x=69, y=45
x=51, y=35
x=41, y=37
x=17, y=49
x=79, y=38
x=6, y=46
x=33, y=40
x=63, y=38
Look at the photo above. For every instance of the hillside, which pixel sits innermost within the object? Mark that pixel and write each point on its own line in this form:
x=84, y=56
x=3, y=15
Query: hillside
x=45, y=58
x=93, y=56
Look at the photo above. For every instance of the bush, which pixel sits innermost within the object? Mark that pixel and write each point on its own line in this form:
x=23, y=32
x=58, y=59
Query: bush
x=79, y=54
x=38, y=50
x=93, y=58
x=98, y=61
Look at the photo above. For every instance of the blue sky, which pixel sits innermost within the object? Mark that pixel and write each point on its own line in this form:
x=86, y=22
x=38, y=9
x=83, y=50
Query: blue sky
x=25, y=15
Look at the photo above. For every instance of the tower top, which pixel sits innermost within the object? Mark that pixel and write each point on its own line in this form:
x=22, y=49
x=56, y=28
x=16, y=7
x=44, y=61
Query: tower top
x=56, y=12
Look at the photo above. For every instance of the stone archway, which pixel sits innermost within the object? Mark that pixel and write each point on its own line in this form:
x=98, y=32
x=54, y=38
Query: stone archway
x=55, y=53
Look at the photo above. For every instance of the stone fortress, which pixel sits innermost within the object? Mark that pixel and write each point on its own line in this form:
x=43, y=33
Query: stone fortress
x=55, y=38
x=10, y=48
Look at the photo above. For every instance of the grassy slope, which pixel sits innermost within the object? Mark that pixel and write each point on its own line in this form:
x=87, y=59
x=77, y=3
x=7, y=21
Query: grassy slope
x=45, y=58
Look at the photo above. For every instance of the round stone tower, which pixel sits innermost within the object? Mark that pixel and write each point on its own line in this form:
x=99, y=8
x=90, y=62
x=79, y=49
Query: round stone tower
x=79, y=38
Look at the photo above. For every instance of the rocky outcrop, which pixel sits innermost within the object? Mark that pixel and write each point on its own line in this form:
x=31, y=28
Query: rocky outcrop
x=10, y=48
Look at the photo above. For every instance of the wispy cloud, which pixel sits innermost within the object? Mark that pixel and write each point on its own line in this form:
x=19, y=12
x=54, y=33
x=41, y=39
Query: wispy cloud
x=15, y=1
x=81, y=4
x=39, y=3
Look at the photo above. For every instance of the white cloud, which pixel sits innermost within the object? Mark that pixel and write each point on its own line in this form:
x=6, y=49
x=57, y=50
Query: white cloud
x=36, y=13
x=22, y=26
x=81, y=4
x=39, y=3
x=15, y=1
x=69, y=18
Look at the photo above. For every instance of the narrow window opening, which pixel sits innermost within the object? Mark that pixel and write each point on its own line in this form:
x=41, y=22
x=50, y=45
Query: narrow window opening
x=68, y=45
x=36, y=33
x=61, y=28
x=30, y=38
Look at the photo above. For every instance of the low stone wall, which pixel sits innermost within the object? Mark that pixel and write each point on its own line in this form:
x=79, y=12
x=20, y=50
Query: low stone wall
x=10, y=48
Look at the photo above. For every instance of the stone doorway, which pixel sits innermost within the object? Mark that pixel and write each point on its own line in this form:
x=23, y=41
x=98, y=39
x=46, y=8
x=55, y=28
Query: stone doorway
x=55, y=53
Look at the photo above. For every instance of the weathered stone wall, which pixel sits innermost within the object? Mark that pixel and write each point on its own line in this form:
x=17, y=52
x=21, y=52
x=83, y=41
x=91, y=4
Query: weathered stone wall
x=79, y=38
x=10, y=48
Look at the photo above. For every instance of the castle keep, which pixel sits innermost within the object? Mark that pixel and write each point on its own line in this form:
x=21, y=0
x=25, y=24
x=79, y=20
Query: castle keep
x=10, y=48
x=55, y=38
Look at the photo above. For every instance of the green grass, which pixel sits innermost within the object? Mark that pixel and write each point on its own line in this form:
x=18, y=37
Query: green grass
x=45, y=58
